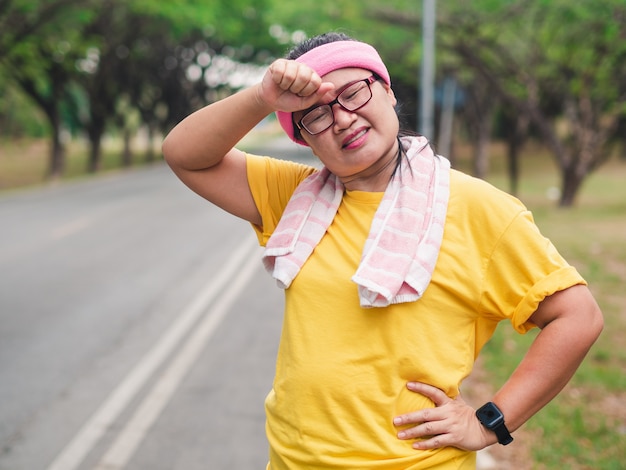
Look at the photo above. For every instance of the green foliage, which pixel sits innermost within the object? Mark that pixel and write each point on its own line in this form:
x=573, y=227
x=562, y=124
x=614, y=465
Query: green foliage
x=581, y=428
x=559, y=65
x=154, y=54
x=390, y=27
x=18, y=118
x=234, y=22
x=76, y=59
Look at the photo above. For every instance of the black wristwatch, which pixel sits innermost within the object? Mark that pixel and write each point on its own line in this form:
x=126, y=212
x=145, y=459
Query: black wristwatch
x=492, y=418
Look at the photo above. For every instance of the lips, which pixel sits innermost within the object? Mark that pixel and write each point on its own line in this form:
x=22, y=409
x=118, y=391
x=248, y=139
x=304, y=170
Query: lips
x=354, y=139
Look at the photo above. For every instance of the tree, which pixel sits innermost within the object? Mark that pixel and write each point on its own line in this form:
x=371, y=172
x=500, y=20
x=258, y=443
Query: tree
x=21, y=20
x=79, y=59
x=159, y=56
x=480, y=113
x=561, y=64
x=39, y=44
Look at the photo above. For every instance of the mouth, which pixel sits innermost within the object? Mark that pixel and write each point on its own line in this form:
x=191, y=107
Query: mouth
x=354, y=139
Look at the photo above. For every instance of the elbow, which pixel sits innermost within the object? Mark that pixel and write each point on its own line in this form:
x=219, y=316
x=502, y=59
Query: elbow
x=590, y=321
x=590, y=324
x=597, y=322
x=174, y=151
x=168, y=149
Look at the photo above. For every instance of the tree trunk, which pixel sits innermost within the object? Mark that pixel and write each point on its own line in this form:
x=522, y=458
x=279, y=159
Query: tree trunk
x=446, y=124
x=150, y=157
x=95, y=152
x=95, y=131
x=515, y=140
x=479, y=111
x=570, y=184
x=56, y=163
x=513, y=166
x=127, y=157
x=481, y=150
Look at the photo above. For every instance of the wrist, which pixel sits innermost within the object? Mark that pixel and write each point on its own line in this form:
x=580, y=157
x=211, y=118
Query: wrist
x=260, y=101
x=492, y=419
x=489, y=438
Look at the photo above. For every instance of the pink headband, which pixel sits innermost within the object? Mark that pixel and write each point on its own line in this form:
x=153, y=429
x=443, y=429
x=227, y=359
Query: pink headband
x=333, y=56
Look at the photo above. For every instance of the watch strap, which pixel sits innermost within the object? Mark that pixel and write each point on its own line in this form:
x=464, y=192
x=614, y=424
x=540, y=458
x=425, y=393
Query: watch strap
x=503, y=434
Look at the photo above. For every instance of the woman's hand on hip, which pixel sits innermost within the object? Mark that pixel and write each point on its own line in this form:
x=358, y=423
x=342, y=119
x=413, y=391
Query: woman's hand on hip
x=452, y=423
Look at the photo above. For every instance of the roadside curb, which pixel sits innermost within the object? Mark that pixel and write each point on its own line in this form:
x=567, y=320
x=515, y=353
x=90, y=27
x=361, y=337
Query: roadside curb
x=484, y=461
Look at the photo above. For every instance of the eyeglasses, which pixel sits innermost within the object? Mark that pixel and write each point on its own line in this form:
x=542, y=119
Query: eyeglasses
x=351, y=97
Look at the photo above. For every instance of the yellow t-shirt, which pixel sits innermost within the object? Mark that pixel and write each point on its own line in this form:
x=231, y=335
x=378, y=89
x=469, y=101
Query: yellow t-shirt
x=341, y=370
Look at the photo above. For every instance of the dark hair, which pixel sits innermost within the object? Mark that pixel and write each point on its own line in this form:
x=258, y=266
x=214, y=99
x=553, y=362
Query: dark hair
x=316, y=41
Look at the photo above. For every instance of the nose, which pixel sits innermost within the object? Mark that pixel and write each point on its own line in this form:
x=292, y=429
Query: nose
x=343, y=117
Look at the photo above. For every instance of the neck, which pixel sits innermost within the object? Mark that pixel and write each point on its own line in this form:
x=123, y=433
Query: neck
x=376, y=177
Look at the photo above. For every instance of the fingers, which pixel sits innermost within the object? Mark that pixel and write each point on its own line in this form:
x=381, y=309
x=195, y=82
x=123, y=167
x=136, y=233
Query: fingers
x=421, y=416
x=450, y=423
x=294, y=77
x=434, y=430
x=427, y=428
x=437, y=395
x=430, y=421
x=291, y=86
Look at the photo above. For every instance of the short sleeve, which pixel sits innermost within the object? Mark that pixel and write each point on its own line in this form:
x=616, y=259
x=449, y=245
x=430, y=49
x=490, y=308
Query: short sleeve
x=272, y=182
x=523, y=269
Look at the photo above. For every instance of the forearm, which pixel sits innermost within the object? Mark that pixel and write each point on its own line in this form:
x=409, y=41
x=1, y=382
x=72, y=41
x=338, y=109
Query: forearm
x=203, y=138
x=549, y=364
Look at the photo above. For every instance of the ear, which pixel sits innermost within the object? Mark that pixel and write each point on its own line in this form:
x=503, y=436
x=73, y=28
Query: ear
x=390, y=94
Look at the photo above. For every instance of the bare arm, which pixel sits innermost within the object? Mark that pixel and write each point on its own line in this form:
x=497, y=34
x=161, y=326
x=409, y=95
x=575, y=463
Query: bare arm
x=201, y=148
x=570, y=322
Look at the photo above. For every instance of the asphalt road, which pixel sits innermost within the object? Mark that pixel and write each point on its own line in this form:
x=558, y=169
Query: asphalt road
x=138, y=329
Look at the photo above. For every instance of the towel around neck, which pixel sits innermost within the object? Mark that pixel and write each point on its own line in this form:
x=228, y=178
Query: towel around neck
x=403, y=244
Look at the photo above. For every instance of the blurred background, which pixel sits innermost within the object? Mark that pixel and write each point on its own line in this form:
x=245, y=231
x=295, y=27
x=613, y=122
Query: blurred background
x=528, y=94
x=550, y=73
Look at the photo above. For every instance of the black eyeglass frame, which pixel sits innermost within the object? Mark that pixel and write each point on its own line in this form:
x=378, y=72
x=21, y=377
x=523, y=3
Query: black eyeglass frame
x=368, y=81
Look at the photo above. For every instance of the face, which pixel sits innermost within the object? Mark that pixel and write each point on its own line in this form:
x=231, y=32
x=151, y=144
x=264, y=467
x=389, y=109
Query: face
x=359, y=143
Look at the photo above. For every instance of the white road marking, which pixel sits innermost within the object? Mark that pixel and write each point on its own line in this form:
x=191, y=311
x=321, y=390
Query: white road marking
x=241, y=262
x=135, y=431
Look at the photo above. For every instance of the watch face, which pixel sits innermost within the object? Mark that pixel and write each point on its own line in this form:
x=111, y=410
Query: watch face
x=490, y=416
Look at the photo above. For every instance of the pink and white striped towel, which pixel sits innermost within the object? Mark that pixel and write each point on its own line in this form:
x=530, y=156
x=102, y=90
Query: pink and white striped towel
x=402, y=247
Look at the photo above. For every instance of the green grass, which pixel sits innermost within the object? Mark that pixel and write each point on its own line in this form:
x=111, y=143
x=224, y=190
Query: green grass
x=24, y=162
x=585, y=426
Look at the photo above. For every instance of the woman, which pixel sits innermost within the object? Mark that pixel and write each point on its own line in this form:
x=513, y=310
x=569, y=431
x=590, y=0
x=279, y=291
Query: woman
x=396, y=271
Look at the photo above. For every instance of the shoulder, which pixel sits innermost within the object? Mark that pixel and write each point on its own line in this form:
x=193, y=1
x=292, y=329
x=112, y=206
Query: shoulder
x=479, y=200
x=272, y=181
x=480, y=215
x=472, y=189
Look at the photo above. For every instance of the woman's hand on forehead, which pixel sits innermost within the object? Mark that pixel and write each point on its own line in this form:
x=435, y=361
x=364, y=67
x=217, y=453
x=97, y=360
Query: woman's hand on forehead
x=291, y=86
x=297, y=78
